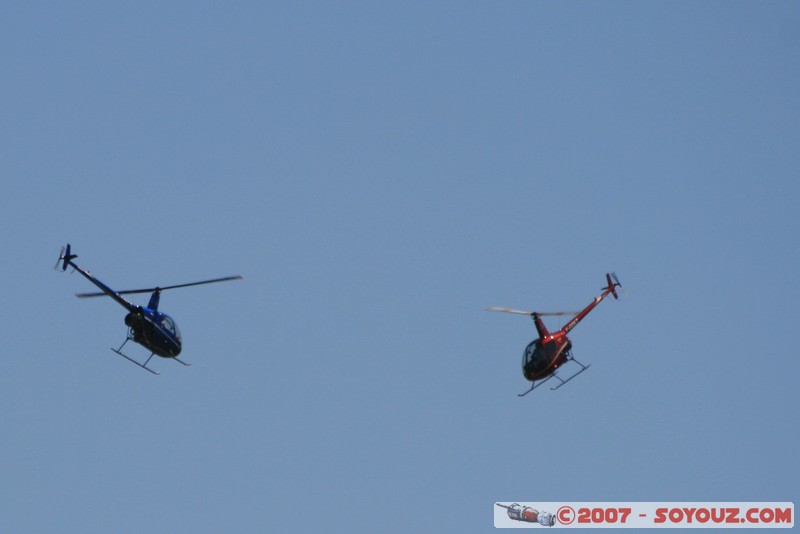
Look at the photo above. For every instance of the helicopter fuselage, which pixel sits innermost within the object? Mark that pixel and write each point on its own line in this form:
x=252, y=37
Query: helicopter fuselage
x=155, y=331
x=542, y=357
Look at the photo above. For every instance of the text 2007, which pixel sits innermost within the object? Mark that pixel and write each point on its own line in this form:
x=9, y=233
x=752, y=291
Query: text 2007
x=603, y=515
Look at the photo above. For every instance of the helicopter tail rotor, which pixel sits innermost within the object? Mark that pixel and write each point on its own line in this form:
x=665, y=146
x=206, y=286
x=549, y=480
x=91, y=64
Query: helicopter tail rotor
x=613, y=284
x=65, y=257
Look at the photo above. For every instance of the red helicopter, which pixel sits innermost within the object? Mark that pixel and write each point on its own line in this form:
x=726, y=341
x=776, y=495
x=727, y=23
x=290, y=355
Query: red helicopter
x=543, y=356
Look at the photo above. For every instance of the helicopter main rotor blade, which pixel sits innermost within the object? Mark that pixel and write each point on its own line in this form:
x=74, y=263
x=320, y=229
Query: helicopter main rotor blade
x=523, y=312
x=152, y=289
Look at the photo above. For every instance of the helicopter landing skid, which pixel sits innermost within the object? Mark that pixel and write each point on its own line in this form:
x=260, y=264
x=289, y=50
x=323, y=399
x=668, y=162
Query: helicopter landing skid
x=536, y=385
x=119, y=351
x=583, y=368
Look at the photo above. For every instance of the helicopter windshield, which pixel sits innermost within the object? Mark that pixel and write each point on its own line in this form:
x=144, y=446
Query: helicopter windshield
x=169, y=325
x=535, y=355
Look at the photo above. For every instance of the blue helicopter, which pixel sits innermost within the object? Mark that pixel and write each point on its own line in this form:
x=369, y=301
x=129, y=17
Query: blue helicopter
x=154, y=330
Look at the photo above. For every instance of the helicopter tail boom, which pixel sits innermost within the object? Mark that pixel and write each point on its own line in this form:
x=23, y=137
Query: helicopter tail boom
x=611, y=288
x=67, y=256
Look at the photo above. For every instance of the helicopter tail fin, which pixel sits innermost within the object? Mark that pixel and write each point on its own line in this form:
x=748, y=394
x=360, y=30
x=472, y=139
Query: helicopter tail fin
x=613, y=285
x=66, y=257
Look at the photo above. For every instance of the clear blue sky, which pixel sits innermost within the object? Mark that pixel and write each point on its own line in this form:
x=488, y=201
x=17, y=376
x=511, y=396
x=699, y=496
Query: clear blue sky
x=380, y=172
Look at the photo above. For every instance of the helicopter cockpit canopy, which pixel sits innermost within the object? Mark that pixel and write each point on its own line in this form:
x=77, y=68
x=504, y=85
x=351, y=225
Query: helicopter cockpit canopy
x=166, y=322
x=535, y=355
x=527, y=355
